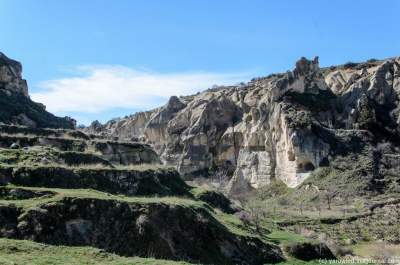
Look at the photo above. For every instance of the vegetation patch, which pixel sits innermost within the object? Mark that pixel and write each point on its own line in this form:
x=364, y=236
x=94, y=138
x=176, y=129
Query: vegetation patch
x=316, y=102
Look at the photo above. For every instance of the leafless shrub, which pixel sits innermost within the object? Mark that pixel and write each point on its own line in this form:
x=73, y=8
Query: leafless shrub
x=244, y=217
x=301, y=207
x=329, y=195
x=220, y=178
x=257, y=212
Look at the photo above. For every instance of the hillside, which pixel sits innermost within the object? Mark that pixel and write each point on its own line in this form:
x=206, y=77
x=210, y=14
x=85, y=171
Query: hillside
x=67, y=197
x=287, y=169
x=63, y=187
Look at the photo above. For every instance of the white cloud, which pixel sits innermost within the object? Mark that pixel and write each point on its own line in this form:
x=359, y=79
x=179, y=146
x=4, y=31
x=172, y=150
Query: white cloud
x=101, y=88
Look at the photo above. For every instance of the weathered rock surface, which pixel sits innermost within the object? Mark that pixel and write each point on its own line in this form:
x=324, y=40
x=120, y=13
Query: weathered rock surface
x=15, y=105
x=119, y=153
x=11, y=75
x=282, y=126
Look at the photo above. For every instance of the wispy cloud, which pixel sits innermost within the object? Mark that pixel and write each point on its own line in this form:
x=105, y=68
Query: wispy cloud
x=100, y=88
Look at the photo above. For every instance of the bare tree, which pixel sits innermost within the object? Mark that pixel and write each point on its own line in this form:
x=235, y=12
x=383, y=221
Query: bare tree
x=319, y=209
x=329, y=195
x=344, y=210
x=256, y=210
x=346, y=205
x=244, y=217
x=220, y=178
x=301, y=207
x=318, y=206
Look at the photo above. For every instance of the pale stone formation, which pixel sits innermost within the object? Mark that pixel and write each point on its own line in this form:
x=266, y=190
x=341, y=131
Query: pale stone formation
x=253, y=170
x=129, y=126
x=11, y=75
x=16, y=107
x=282, y=126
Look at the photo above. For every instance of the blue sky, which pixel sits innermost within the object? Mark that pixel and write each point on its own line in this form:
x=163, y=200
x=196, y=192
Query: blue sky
x=101, y=59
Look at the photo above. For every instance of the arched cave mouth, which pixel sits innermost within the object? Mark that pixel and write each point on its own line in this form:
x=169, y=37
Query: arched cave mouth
x=304, y=167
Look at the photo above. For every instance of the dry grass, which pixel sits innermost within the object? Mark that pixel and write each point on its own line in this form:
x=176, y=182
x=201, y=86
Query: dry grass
x=377, y=250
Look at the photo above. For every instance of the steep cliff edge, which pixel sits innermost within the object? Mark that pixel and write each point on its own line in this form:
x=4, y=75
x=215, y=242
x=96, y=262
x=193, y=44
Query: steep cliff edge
x=282, y=126
x=15, y=105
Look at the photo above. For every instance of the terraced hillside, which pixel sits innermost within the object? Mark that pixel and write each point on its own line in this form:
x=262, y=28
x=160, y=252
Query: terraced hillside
x=71, y=192
x=62, y=187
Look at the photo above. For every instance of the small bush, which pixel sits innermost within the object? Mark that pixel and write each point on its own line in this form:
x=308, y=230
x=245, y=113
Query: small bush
x=350, y=65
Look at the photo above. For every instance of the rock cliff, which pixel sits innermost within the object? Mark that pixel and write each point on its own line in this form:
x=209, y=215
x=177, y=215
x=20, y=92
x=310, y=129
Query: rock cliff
x=15, y=105
x=282, y=126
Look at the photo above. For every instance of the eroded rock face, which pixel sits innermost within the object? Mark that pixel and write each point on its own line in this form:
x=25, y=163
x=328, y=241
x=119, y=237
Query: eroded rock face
x=15, y=105
x=128, y=128
x=11, y=75
x=282, y=126
x=117, y=153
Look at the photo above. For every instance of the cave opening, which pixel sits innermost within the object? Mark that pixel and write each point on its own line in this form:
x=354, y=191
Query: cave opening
x=304, y=167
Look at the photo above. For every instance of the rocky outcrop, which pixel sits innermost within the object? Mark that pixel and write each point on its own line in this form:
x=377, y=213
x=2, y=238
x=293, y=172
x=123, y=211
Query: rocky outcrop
x=11, y=76
x=282, y=126
x=124, y=153
x=128, y=128
x=15, y=105
x=118, y=153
